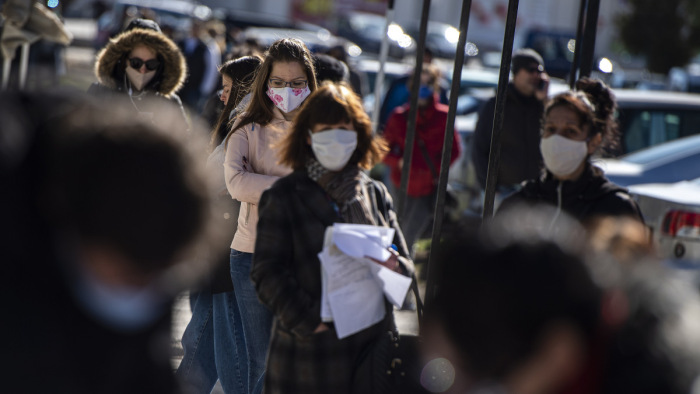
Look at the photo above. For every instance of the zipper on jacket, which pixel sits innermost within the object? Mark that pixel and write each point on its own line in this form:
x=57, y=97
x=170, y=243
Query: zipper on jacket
x=556, y=214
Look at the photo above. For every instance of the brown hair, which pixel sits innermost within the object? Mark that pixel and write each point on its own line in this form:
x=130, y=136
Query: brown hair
x=260, y=108
x=595, y=105
x=434, y=73
x=332, y=103
x=242, y=72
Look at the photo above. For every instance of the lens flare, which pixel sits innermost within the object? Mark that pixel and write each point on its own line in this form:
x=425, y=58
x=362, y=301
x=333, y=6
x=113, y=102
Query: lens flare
x=438, y=375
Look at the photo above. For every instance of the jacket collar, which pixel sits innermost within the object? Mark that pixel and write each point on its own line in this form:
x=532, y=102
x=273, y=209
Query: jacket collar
x=591, y=185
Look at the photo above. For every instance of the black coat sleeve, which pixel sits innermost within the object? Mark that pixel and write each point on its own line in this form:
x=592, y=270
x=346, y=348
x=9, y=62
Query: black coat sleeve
x=272, y=271
x=386, y=205
x=482, y=141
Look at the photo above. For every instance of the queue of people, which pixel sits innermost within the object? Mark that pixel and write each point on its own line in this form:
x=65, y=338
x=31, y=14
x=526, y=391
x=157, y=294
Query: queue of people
x=559, y=293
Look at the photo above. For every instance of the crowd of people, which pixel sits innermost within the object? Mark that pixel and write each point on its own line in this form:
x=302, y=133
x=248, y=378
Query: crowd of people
x=118, y=201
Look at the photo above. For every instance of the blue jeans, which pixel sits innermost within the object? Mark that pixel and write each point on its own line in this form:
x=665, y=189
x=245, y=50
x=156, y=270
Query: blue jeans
x=213, y=345
x=256, y=319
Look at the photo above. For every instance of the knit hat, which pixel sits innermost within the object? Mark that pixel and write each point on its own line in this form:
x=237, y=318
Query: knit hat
x=526, y=57
x=143, y=24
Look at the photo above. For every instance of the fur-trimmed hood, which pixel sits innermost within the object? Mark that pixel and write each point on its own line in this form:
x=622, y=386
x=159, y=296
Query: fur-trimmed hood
x=109, y=66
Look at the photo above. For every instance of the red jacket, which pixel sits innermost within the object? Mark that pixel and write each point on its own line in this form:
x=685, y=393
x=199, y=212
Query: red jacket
x=430, y=127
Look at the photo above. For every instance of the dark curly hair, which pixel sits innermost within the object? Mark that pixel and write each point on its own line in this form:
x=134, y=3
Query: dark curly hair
x=594, y=102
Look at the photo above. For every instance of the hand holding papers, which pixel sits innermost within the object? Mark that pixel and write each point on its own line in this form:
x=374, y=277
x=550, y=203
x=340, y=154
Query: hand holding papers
x=353, y=285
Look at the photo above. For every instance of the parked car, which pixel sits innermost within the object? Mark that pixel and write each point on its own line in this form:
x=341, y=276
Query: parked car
x=176, y=14
x=669, y=162
x=672, y=212
x=648, y=118
x=442, y=39
x=317, y=41
x=367, y=29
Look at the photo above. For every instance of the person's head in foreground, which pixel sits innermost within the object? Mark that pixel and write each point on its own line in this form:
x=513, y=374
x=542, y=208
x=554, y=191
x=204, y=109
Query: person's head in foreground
x=515, y=310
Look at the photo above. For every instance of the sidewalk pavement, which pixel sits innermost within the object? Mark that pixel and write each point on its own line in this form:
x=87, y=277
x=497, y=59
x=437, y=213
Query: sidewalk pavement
x=406, y=321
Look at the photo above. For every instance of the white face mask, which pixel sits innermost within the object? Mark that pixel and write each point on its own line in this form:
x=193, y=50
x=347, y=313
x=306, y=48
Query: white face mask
x=286, y=98
x=561, y=155
x=137, y=79
x=333, y=148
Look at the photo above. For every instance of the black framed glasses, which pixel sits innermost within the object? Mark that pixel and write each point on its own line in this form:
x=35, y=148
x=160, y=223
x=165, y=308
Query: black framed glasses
x=136, y=63
x=278, y=83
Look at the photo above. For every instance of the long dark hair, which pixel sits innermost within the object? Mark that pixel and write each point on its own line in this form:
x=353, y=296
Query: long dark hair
x=260, y=108
x=242, y=72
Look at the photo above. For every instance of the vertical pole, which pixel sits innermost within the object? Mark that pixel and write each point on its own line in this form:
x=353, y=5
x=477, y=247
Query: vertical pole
x=434, y=271
x=6, y=64
x=495, y=150
x=589, y=34
x=383, y=53
x=413, y=112
x=23, y=65
x=579, y=40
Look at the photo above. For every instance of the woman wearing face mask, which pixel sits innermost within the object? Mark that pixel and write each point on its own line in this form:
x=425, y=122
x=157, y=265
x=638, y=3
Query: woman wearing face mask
x=430, y=135
x=329, y=146
x=143, y=67
x=575, y=126
x=212, y=350
x=251, y=165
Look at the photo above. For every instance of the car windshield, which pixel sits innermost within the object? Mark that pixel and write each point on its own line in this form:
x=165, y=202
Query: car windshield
x=681, y=147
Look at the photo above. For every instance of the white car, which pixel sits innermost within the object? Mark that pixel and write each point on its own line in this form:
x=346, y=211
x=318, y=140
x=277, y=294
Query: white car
x=672, y=212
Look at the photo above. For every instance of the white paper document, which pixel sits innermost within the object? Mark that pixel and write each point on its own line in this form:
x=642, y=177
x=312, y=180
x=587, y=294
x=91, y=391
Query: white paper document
x=354, y=286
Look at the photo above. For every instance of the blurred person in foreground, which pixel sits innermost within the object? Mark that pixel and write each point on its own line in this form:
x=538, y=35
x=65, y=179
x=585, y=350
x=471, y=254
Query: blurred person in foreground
x=329, y=147
x=516, y=309
x=211, y=342
x=427, y=154
x=106, y=212
x=282, y=83
x=576, y=125
x=144, y=68
x=525, y=98
x=650, y=314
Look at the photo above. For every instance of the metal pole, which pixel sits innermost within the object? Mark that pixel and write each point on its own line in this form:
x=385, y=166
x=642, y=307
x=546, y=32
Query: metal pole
x=579, y=41
x=413, y=111
x=6, y=65
x=383, y=53
x=23, y=65
x=589, y=37
x=434, y=270
x=495, y=150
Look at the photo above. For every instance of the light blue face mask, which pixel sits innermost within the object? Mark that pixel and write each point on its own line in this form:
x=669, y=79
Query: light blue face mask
x=122, y=308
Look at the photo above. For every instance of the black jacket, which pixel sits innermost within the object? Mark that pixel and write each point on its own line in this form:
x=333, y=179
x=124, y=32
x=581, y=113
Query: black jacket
x=589, y=196
x=520, y=140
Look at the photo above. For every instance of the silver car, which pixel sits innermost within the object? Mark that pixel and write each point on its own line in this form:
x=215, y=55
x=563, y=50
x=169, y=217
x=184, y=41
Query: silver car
x=672, y=212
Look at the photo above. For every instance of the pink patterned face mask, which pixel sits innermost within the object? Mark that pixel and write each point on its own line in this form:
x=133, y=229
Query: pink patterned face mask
x=288, y=99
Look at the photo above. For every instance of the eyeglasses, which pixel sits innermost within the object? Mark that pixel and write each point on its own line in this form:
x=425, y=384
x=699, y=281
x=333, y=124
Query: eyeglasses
x=136, y=63
x=278, y=83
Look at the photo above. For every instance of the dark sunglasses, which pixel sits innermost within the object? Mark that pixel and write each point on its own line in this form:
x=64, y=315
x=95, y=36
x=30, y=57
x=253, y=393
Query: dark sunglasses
x=136, y=63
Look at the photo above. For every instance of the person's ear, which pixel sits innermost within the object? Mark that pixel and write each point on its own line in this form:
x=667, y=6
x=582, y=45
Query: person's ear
x=594, y=143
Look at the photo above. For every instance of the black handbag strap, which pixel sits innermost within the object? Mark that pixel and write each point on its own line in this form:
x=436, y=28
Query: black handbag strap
x=419, y=302
x=428, y=160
